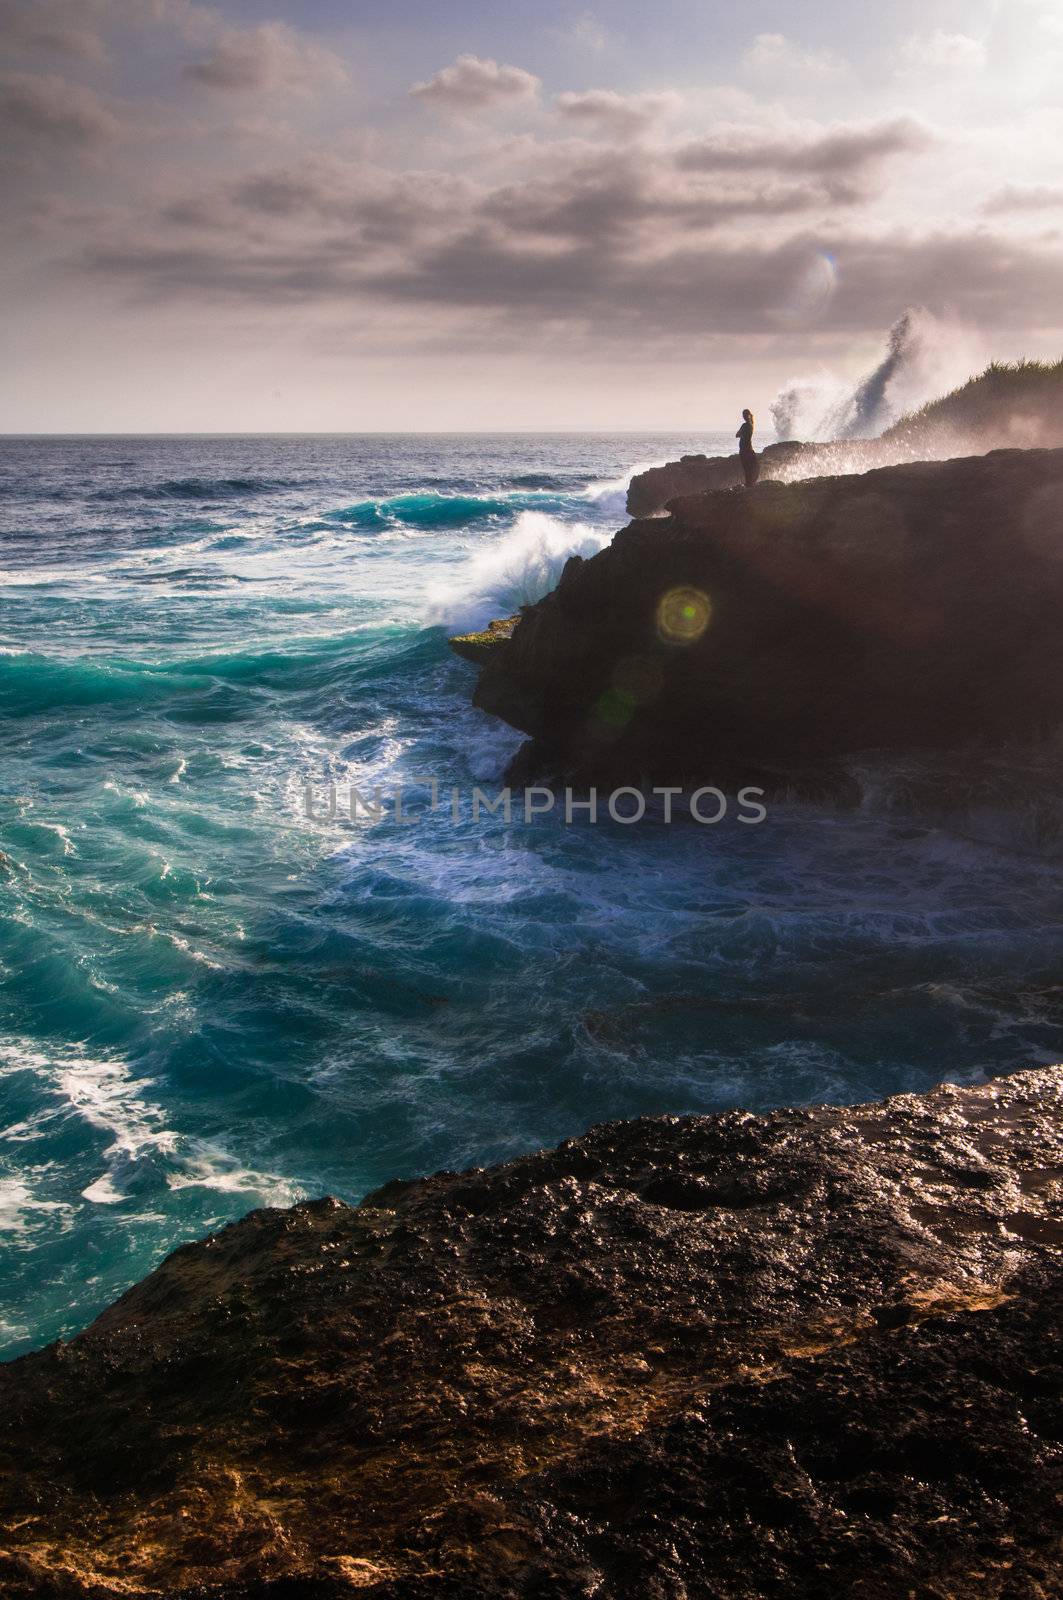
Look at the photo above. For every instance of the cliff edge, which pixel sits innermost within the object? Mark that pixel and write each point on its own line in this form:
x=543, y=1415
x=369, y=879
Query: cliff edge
x=811, y=1353
x=1009, y=404
x=910, y=607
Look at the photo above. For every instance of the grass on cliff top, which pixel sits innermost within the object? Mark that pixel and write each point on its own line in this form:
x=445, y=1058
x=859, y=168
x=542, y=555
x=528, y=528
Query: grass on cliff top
x=989, y=399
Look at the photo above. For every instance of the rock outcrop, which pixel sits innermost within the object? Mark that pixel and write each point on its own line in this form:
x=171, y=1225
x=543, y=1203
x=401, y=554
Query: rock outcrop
x=811, y=1353
x=650, y=491
x=480, y=646
x=1020, y=404
x=909, y=607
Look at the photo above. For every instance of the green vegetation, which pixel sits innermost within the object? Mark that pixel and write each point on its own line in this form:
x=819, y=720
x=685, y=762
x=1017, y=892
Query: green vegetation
x=477, y=647
x=1001, y=402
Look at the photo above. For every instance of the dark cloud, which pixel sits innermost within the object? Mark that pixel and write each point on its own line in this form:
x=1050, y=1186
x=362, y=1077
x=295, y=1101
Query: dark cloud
x=621, y=200
x=44, y=110
x=740, y=234
x=846, y=152
x=608, y=196
x=80, y=28
x=24, y=33
x=743, y=289
x=466, y=258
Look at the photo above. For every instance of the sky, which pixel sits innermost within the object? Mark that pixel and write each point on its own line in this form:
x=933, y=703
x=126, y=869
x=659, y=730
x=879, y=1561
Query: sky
x=389, y=215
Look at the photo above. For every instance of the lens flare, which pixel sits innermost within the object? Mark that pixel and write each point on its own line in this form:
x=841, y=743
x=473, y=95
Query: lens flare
x=812, y=289
x=683, y=615
x=639, y=678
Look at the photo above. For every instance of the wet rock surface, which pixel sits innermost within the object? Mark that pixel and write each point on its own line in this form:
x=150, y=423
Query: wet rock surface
x=814, y=1353
x=911, y=607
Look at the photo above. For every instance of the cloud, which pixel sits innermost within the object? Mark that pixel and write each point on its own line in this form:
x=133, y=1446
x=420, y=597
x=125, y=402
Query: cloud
x=940, y=51
x=850, y=155
x=585, y=32
x=772, y=55
x=474, y=84
x=618, y=116
x=1022, y=197
x=39, y=28
x=44, y=111
x=747, y=289
x=622, y=197
x=77, y=28
x=272, y=58
x=715, y=238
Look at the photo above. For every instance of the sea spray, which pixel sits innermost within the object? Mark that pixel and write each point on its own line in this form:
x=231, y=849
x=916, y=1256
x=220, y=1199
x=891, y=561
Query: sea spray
x=525, y=563
x=925, y=356
x=517, y=569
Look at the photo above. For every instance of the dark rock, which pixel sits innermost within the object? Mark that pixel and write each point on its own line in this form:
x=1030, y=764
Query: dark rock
x=650, y=491
x=791, y=461
x=806, y=1354
x=910, y=607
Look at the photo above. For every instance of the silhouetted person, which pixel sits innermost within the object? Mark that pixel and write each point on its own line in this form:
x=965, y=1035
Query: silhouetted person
x=746, y=453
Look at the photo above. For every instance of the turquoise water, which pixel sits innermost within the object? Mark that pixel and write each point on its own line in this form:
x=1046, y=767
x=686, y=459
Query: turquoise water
x=211, y=1003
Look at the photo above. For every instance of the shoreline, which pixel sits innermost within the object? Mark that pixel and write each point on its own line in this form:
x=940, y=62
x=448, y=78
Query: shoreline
x=712, y=1352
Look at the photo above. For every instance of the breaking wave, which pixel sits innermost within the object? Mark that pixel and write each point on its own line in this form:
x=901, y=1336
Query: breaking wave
x=431, y=510
x=515, y=570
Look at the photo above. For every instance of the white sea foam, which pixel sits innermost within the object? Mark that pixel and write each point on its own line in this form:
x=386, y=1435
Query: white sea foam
x=61, y=832
x=179, y=942
x=139, y=797
x=103, y=1192
x=208, y=1166
x=40, y=577
x=609, y=496
x=104, y=1093
x=517, y=569
x=18, y=1205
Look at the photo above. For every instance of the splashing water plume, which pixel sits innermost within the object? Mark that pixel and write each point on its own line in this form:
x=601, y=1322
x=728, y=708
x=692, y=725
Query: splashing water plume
x=925, y=356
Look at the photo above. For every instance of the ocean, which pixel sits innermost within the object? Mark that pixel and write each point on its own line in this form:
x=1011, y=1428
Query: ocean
x=211, y=1002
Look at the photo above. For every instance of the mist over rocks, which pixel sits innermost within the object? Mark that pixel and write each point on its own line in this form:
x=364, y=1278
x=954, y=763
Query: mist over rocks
x=649, y=492
x=811, y=1352
x=1008, y=405
x=911, y=607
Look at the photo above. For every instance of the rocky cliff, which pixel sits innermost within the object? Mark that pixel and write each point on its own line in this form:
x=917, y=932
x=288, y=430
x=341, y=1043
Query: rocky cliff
x=1006, y=405
x=650, y=491
x=908, y=607
x=806, y=1354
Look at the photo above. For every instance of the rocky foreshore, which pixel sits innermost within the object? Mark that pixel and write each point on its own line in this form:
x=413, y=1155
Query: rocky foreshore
x=910, y=607
x=789, y=461
x=814, y=1353
x=649, y=492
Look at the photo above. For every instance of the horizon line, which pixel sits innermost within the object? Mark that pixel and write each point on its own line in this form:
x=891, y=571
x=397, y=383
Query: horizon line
x=338, y=433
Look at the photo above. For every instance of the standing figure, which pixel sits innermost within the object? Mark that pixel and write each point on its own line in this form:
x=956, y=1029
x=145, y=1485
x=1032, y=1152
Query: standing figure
x=746, y=453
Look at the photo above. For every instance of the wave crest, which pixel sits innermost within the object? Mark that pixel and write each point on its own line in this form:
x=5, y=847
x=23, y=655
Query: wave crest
x=429, y=509
x=515, y=570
